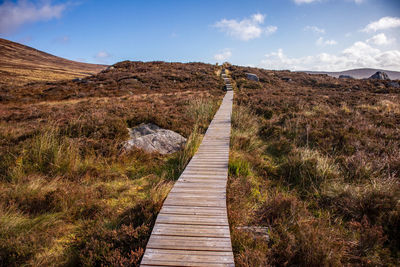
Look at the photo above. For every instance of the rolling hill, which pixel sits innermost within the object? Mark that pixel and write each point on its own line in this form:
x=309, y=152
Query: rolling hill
x=20, y=64
x=359, y=73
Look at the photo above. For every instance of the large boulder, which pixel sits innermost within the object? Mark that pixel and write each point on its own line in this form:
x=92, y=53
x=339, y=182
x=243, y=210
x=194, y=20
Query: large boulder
x=380, y=75
x=252, y=77
x=151, y=138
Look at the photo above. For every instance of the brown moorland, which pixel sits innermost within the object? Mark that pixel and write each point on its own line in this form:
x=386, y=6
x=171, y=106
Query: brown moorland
x=68, y=192
x=316, y=160
x=313, y=158
x=20, y=64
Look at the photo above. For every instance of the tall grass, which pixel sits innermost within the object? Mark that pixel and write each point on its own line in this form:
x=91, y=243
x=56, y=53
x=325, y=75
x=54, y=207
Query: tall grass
x=48, y=153
x=202, y=111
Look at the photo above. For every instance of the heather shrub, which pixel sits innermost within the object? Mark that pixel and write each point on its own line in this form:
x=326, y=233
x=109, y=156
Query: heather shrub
x=99, y=246
x=97, y=126
x=143, y=213
x=376, y=202
x=296, y=237
x=280, y=207
x=369, y=248
x=249, y=250
x=279, y=148
x=306, y=242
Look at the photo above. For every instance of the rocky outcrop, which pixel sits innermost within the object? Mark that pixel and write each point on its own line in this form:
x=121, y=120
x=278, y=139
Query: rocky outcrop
x=153, y=139
x=380, y=75
x=345, y=77
x=252, y=77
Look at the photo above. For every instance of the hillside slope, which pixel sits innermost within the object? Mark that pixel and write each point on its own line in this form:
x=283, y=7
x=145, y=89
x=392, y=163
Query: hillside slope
x=359, y=73
x=67, y=188
x=20, y=64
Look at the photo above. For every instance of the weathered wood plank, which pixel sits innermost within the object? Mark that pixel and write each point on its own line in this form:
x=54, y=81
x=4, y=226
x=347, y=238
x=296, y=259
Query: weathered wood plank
x=191, y=230
x=190, y=243
x=193, y=210
x=192, y=219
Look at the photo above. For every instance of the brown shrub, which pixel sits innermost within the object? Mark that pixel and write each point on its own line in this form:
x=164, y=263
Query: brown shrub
x=99, y=246
x=279, y=208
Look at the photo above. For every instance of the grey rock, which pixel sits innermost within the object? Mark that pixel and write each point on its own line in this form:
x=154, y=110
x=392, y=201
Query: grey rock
x=345, y=77
x=380, y=75
x=252, y=77
x=151, y=138
x=257, y=231
x=286, y=79
x=394, y=84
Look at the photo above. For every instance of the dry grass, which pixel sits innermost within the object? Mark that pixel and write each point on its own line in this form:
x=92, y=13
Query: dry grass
x=321, y=170
x=21, y=64
x=68, y=195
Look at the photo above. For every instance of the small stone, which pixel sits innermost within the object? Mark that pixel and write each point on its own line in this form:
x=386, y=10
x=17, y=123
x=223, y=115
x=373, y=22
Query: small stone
x=252, y=77
x=257, y=231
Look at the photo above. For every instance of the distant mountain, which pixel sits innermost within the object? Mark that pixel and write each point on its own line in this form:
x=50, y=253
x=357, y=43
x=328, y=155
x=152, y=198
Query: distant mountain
x=21, y=64
x=359, y=73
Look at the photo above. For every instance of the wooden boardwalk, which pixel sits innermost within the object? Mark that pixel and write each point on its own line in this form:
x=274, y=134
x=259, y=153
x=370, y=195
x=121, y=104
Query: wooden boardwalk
x=192, y=227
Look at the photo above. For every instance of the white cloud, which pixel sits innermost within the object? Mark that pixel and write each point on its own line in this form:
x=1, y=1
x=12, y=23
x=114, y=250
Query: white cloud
x=271, y=29
x=259, y=18
x=14, y=15
x=299, y=2
x=322, y=42
x=314, y=29
x=223, y=56
x=102, y=54
x=102, y=57
x=246, y=29
x=359, y=55
x=380, y=39
x=382, y=24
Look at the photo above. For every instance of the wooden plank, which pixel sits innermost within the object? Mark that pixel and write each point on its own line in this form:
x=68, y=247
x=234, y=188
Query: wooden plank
x=202, y=180
x=192, y=219
x=193, y=210
x=197, y=190
x=177, y=256
x=190, y=243
x=200, y=194
x=191, y=230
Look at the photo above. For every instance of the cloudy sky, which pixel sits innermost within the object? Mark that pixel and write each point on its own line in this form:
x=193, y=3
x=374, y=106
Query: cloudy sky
x=274, y=34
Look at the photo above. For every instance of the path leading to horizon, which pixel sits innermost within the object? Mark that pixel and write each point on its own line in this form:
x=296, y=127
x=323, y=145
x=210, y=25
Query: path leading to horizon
x=192, y=228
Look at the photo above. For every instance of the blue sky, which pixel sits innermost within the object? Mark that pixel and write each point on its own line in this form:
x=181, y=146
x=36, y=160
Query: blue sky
x=273, y=34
